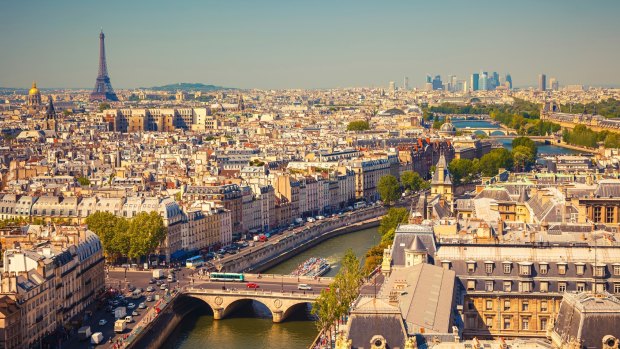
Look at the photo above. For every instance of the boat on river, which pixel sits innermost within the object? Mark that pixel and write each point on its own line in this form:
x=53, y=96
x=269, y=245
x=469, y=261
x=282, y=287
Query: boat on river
x=314, y=266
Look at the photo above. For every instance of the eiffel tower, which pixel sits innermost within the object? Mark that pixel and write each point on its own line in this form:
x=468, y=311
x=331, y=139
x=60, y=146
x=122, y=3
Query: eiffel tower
x=103, y=88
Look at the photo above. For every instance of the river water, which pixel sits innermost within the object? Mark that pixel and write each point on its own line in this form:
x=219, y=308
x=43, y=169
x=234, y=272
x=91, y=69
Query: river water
x=251, y=327
x=546, y=149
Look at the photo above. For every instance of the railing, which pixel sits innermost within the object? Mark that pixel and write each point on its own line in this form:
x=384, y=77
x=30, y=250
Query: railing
x=250, y=293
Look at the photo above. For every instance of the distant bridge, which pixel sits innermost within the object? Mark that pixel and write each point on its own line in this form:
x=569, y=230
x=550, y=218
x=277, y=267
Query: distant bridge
x=490, y=131
x=279, y=293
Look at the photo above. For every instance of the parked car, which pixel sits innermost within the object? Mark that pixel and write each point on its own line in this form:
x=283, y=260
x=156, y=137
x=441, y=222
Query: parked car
x=141, y=305
x=252, y=285
x=163, y=286
x=131, y=305
x=150, y=289
x=304, y=287
x=149, y=299
x=135, y=313
x=102, y=322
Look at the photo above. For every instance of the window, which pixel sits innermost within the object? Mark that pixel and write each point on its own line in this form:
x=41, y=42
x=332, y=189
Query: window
x=581, y=287
x=581, y=269
x=525, y=306
x=489, y=322
x=471, y=267
x=597, y=214
x=543, y=306
x=600, y=287
x=506, y=323
x=616, y=270
x=599, y=271
x=471, y=285
x=544, y=269
x=616, y=288
x=446, y=265
x=525, y=323
x=609, y=214
x=489, y=268
x=561, y=286
x=489, y=305
x=506, y=305
x=507, y=268
x=544, y=286
x=507, y=286
x=488, y=286
x=562, y=269
x=524, y=269
x=543, y=323
x=470, y=305
x=525, y=286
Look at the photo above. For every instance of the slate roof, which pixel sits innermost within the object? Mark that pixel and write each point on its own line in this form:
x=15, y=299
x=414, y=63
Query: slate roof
x=608, y=188
x=591, y=316
x=371, y=317
x=404, y=236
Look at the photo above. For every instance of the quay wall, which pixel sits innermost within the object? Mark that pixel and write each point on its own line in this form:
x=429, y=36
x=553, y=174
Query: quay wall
x=275, y=251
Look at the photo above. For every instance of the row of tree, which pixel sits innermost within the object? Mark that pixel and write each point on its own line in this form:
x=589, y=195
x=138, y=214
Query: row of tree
x=583, y=136
x=608, y=108
x=387, y=230
x=521, y=158
x=334, y=303
x=132, y=238
x=358, y=125
x=390, y=189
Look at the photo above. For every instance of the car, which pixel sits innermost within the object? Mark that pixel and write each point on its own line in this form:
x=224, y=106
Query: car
x=150, y=289
x=163, y=287
x=102, y=322
x=252, y=285
x=152, y=281
x=304, y=287
x=149, y=299
x=131, y=305
x=141, y=305
x=135, y=313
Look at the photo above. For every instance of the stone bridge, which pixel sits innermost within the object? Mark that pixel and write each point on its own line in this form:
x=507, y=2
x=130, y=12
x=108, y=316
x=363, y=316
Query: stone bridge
x=281, y=304
x=491, y=131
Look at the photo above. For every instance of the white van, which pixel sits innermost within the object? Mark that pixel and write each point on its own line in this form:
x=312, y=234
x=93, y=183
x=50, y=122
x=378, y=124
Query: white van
x=128, y=319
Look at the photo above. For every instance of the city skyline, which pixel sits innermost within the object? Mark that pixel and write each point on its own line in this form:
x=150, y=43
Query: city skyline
x=282, y=45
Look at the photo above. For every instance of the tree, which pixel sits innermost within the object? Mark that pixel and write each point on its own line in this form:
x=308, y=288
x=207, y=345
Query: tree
x=374, y=257
x=358, y=125
x=104, y=106
x=84, y=181
x=392, y=219
x=326, y=308
x=111, y=231
x=490, y=163
x=523, y=157
x=526, y=142
x=463, y=171
x=412, y=181
x=389, y=189
x=146, y=232
x=348, y=280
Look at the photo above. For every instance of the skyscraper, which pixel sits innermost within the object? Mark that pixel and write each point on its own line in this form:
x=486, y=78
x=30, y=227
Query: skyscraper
x=392, y=88
x=483, y=82
x=437, y=84
x=509, y=81
x=429, y=79
x=103, y=88
x=554, y=85
x=542, y=82
x=406, y=83
x=474, y=81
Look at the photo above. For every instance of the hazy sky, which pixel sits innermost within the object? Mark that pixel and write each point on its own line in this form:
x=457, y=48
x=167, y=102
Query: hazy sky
x=307, y=44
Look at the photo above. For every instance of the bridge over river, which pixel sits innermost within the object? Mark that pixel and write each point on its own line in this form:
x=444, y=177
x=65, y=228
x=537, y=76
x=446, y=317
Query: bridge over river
x=279, y=293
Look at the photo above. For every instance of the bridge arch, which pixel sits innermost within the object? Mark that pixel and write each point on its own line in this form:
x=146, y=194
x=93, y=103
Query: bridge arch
x=480, y=132
x=497, y=133
x=295, y=307
x=235, y=304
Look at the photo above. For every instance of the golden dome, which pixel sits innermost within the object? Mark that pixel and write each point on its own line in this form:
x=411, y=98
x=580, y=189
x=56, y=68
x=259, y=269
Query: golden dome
x=34, y=90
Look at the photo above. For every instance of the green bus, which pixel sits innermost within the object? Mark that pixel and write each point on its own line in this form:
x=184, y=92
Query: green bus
x=226, y=277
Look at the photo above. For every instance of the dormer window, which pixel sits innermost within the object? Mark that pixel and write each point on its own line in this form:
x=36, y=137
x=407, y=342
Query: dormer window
x=471, y=266
x=580, y=268
x=599, y=270
x=488, y=267
x=507, y=267
x=525, y=269
x=562, y=268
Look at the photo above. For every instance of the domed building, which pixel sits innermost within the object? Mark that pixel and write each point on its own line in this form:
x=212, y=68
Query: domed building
x=447, y=129
x=34, y=97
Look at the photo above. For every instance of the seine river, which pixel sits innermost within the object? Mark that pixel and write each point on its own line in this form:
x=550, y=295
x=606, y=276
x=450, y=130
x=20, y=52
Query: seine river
x=252, y=327
x=547, y=149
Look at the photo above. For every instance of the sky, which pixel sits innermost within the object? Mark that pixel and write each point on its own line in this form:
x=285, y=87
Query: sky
x=272, y=44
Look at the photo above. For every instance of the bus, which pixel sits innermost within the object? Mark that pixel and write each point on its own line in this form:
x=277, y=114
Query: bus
x=226, y=277
x=194, y=262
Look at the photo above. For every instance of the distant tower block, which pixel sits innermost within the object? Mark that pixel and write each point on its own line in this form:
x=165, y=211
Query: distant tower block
x=103, y=88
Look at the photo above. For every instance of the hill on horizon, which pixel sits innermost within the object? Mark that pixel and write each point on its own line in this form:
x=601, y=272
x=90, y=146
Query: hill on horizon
x=187, y=86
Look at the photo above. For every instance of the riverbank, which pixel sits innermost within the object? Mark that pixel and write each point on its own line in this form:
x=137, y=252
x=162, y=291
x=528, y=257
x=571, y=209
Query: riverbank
x=158, y=331
x=576, y=147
